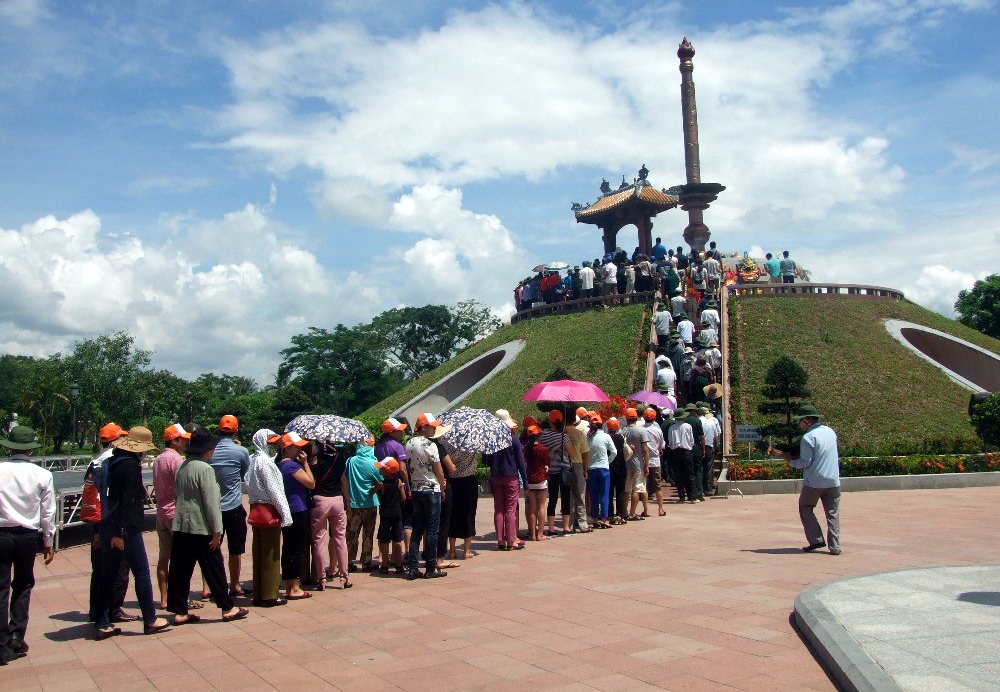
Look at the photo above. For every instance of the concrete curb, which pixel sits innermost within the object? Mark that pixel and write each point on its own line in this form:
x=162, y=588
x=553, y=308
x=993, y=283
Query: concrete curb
x=870, y=483
x=842, y=656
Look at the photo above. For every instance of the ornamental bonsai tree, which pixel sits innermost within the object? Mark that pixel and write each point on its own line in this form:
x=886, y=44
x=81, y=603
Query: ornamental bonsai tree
x=784, y=391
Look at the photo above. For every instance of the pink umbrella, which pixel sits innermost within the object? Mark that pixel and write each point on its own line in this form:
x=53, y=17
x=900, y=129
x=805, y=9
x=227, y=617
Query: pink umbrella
x=565, y=390
x=654, y=398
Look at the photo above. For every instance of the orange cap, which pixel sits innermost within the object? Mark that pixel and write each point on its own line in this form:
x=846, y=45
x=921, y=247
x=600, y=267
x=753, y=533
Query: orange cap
x=582, y=412
x=228, y=424
x=389, y=466
x=613, y=424
x=631, y=414
x=555, y=416
x=595, y=417
x=532, y=430
x=289, y=439
x=111, y=432
x=427, y=419
x=273, y=438
x=174, y=431
x=529, y=420
x=392, y=425
x=649, y=414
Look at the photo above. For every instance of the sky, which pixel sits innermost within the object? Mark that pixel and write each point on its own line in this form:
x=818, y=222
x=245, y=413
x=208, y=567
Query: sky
x=216, y=177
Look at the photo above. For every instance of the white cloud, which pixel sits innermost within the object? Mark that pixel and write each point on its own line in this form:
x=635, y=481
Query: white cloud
x=23, y=13
x=938, y=287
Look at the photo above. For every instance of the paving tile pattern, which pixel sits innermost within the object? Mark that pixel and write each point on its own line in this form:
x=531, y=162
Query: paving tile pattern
x=698, y=600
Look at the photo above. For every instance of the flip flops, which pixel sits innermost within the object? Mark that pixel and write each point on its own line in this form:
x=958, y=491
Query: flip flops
x=238, y=615
x=190, y=620
x=302, y=596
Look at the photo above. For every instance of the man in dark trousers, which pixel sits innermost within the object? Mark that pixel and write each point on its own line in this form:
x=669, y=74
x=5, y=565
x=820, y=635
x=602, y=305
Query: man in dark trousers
x=27, y=506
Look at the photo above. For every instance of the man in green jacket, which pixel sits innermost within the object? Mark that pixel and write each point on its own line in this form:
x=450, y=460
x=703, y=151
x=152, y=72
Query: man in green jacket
x=198, y=533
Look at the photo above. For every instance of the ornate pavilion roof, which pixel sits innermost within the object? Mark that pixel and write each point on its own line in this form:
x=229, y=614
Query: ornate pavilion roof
x=640, y=193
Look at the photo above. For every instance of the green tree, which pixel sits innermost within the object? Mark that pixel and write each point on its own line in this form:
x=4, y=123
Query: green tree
x=420, y=339
x=986, y=420
x=46, y=397
x=339, y=371
x=109, y=370
x=784, y=392
x=979, y=307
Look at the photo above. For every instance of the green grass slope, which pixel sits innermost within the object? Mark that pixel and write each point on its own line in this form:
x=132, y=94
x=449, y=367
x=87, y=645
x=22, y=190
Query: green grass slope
x=879, y=396
x=606, y=347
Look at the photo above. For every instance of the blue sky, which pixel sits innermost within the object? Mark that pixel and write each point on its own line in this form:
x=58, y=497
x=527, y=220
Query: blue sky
x=217, y=177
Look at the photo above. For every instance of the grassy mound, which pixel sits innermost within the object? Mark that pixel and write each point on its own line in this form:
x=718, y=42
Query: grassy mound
x=879, y=396
x=606, y=347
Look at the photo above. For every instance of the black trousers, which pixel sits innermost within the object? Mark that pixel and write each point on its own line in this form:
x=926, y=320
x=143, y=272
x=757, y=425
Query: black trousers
x=118, y=589
x=619, y=503
x=293, y=545
x=188, y=550
x=683, y=463
x=17, y=557
x=445, y=523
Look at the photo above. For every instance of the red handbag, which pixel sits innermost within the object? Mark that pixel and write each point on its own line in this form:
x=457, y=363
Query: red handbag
x=264, y=516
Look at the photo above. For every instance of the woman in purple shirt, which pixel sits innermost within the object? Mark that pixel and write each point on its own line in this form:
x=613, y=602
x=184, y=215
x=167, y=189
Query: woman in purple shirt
x=298, y=480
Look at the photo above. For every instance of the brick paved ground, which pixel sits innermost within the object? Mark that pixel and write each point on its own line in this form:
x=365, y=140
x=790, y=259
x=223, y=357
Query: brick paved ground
x=697, y=600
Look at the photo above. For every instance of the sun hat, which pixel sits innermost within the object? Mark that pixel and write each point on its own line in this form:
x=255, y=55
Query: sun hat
x=614, y=425
x=806, y=411
x=111, y=432
x=389, y=465
x=291, y=438
x=555, y=416
x=22, y=438
x=201, y=442
x=595, y=418
x=392, y=425
x=425, y=419
x=532, y=430
x=649, y=413
x=631, y=414
x=702, y=404
x=504, y=415
x=228, y=424
x=139, y=439
x=691, y=407
x=713, y=391
x=174, y=431
x=440, y=431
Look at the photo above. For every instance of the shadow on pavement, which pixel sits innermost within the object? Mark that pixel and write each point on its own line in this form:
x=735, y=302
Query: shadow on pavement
x=991, y=598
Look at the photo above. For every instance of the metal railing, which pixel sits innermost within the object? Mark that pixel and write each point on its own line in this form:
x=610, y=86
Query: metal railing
x=815, y=289
x=581, y=304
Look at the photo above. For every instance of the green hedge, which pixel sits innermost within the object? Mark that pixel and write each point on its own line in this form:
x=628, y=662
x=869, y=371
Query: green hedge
x=850, y=467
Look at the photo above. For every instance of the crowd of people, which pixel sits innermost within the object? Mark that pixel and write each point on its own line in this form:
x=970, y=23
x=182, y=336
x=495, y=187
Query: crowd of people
x=664, y=270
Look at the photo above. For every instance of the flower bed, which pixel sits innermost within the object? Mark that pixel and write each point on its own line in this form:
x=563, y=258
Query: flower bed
x=851, y=467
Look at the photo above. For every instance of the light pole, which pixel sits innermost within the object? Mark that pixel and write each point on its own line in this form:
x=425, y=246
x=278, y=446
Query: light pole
x=74, y=392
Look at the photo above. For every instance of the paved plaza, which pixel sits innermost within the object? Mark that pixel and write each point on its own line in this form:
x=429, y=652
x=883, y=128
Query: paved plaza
x=701, y=599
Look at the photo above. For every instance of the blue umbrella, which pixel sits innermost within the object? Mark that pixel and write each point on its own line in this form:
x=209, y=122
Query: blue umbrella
x=328, y=428
x=476, y=430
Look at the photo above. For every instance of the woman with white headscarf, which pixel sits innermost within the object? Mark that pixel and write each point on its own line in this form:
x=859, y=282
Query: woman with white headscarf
x=265, y=487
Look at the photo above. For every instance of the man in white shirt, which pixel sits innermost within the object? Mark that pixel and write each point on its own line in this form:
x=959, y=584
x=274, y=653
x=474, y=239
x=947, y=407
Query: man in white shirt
x=680, y=439
x=609, y=275
x=586, y=281
x=662, y=323
x=710, y=315
x=713, y=436
x=428, y=485
x=677, y=304
x=686, y=327
x=27, y=506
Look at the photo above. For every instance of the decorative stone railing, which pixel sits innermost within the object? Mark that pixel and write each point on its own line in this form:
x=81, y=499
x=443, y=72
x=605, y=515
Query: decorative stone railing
x=815, y=289
x=581, y=304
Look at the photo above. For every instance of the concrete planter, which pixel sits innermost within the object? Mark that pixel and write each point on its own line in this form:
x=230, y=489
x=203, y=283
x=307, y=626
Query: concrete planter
x=865, y=483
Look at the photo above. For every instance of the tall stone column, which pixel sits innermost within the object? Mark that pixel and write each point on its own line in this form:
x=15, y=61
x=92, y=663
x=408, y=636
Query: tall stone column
x=695, y=196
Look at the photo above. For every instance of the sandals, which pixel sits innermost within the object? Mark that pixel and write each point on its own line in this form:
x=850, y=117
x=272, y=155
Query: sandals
x=153, y=629
x=188, y=620
x=107, y=633
x=302, y=596
x=238, y=615
x=346, y=583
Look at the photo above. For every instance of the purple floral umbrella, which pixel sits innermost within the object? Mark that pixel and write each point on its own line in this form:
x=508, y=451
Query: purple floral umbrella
x=654, y=398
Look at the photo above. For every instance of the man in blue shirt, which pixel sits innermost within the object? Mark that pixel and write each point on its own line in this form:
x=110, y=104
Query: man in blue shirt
x=820, y=466
x=659, y=251
x=231, y=462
